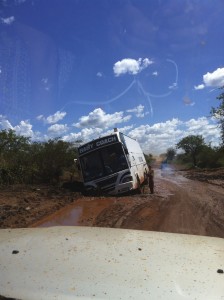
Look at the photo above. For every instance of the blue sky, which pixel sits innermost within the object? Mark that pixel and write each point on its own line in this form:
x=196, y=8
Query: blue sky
x=76, y=69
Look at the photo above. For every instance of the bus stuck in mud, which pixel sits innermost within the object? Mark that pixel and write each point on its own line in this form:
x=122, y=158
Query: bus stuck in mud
x=112, y=164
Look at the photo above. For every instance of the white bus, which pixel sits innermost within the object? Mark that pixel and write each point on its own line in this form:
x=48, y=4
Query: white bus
x=112, y=164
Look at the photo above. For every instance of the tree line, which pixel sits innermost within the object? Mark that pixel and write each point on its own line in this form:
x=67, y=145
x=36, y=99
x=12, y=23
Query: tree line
x=196, y=152
x=23, y=161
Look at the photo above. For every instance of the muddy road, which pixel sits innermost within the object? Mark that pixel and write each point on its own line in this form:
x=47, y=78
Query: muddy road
x=179, y=205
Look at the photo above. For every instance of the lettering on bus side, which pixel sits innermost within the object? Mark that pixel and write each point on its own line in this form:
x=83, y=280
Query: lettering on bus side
x=86, y=148
x=106, y=141
x=98, y=143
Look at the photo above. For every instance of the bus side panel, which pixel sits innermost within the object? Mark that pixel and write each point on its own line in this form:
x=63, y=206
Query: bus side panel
x=139, y=167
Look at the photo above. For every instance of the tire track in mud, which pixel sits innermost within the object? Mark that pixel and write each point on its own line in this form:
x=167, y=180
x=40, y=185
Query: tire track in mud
x=184, y=206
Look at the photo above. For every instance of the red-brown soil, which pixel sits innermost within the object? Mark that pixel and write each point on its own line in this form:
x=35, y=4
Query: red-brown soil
x=191, y=204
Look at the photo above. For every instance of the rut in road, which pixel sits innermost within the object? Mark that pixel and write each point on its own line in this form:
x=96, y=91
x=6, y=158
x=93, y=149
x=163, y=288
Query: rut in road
x=182, y=215
x=188, y=207
x=179, y=205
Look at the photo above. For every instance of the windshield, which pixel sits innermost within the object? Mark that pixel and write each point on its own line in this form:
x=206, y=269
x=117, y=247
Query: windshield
x=103, y=162
x=77, y=69
x=112, y=115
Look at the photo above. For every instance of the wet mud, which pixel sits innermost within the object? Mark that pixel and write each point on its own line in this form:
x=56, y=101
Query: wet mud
x=179, y=205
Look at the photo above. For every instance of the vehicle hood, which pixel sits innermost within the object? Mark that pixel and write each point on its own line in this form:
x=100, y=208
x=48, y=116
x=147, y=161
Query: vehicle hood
x=102, y=263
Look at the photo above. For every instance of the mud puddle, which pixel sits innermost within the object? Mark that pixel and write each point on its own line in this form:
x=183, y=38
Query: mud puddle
x=82, y=212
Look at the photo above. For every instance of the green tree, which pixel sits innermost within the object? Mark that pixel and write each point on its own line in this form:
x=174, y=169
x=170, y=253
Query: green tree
x=13, y=156
x=10, y=141
x=192, y=145
x=22, y=161
x=53, y=158
x=210, y=157
x=218, y=113
x=170, y=153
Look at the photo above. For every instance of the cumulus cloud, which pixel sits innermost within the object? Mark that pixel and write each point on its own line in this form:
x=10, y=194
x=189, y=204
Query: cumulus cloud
x=155, y=138
x=159, y=137
x=199, y=87
x=57, y=129
x=194, y=126
x=85, y=135
x=99, y=119
x=8, y=21
x=155, y=73
x=131, y=66
x=4, y=123
x=59, y=115
x=24, y=128
x=138, y=110
x=91, y=133
x=214, y=79
x=72, y=137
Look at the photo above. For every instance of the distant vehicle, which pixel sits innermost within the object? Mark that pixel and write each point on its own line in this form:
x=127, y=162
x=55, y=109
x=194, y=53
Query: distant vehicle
x=166, y=169
x=112, y=164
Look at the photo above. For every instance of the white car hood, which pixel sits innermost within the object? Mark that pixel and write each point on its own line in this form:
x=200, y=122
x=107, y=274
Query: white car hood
x=100, y=263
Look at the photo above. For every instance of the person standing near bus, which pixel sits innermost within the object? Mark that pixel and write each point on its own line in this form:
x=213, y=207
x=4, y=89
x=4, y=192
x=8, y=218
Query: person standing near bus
x=151, y=179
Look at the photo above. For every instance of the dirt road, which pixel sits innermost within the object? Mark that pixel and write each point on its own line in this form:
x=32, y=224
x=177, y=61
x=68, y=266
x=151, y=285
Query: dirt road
x=179, y=205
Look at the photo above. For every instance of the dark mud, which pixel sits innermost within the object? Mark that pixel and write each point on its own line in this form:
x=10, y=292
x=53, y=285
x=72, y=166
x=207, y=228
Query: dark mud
x=179, y=205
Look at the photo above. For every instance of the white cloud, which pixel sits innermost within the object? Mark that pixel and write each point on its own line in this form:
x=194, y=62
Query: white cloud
x=57, y=129
x=156, y=138
x=214, y=79
x=59, y=115
x=199, y=87
x=40, y=117
x=24, y=128
x=131, y=66
x=197, y=124
x=99, y=119
x=159, y=137
x=99, y=74
x=72, y=137
x=85, y=135
x=138, y=110
x=124, y=129
x=90, y=133
x=155, y=73
x=4, y=123
x=8, y=20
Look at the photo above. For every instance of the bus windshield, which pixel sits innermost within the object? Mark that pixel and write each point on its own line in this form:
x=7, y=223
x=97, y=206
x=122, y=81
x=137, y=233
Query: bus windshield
x=103, y=162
